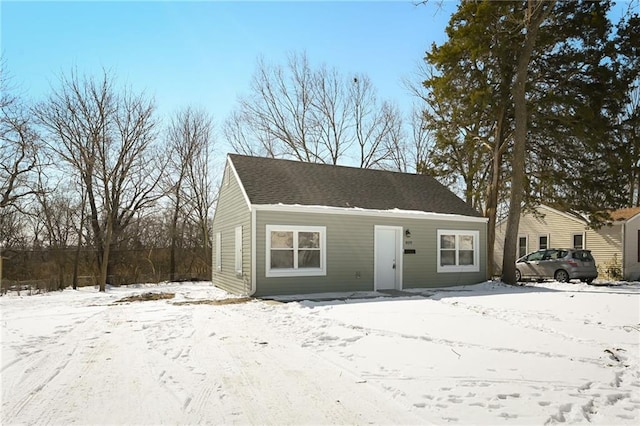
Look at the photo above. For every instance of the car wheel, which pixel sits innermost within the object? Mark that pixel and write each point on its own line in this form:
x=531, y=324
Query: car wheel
x=561, y=276
x=518, y=276
x=588, y=280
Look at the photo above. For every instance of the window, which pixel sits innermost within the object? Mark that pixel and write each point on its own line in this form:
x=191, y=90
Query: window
x=543, y=242
x=578, y=241
x=295, y=251
x=458, y=251
x=238, y=246
x=522, y=246
x=536, y=256
x=554, y=254
x=218, y=252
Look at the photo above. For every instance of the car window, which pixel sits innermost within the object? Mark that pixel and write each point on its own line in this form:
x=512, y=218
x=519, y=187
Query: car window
x=551, y=255
x=538, y=255
x=583, y=256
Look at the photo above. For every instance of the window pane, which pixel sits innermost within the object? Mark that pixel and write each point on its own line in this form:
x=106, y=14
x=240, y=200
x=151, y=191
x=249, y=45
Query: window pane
x=466, y=257
x=281, y=239
x=447, y=257
x=308, y=258
x=536, y=256
x=466, y=242
x=522, y=246
x=308, y=240
x=543, y=242
x=551, y=255
x=281, y=259
x=577, y=241
x=447, y=241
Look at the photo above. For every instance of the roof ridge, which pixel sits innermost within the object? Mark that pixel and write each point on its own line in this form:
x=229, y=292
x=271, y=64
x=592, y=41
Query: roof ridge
x=291, y=160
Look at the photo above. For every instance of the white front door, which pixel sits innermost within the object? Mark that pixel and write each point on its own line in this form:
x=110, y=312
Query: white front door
x=388, y=260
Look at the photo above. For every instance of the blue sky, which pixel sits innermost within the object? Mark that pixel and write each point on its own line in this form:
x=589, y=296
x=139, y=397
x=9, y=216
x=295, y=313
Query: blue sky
x=204, y=53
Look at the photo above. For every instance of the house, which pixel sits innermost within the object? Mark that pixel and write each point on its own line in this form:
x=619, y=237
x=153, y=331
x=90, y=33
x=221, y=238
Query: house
x=615, y=246
x=287, y=227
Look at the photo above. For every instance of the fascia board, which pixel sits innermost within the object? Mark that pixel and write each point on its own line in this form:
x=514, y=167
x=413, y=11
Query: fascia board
x=400, y=214
x=235, y=174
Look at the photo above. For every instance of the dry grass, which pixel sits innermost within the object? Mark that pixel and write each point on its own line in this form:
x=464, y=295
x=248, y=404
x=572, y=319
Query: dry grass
x=146, y=296
x=229, y=301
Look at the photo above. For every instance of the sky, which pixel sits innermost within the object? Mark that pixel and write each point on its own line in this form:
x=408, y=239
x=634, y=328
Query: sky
x=204, y=53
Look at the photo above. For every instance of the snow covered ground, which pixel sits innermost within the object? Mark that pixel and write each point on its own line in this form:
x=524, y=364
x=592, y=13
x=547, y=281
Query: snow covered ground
x=487, y=354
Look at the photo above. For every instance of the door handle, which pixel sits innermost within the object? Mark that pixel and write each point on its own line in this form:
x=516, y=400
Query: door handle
x=394, y=264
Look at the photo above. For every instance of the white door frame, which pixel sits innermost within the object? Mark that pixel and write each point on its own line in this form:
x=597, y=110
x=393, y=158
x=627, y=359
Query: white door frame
x=398, y=233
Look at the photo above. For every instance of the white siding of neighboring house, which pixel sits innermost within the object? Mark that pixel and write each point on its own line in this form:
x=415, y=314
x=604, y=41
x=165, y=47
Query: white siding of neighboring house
x=632, y=249
x=605, y=243
x=559, y=227
x=606, y=247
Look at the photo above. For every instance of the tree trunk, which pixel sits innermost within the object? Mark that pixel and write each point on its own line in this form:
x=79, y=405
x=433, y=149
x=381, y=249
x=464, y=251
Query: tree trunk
x=491, y=213
x=104, y=264
x=174, y=235
x=76, y=260
x=537, y=11
x=499, y=147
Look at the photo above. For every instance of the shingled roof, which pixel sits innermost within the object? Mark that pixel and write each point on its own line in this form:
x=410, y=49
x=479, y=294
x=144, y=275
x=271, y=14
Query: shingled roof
x=624, y=214
x=275, y=181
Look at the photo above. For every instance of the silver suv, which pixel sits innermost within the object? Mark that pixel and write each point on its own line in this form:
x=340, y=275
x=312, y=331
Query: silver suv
x=558, y=264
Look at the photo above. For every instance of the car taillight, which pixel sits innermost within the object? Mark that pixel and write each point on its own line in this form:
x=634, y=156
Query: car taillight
x=572, y=263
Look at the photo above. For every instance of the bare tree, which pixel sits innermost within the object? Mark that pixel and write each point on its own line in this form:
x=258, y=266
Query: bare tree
x=373, y=122
x=57, y=212
x=277, y=115
x=106, y=138
x=19, y=147
x=331, y=113
x=421, y=141
x=190, y=138
x=314, y=115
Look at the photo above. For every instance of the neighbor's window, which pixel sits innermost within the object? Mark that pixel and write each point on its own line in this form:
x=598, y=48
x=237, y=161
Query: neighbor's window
x=578, y=241
x=543, y=242
x=295, y=251
x=458, y=251
x=522, y=246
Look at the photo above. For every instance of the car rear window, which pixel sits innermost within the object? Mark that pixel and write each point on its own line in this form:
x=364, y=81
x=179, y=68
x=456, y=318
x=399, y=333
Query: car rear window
x=583, y=256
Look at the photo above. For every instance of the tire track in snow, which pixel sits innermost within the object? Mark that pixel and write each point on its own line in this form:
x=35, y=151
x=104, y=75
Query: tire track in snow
x=48, y=361
x=268, y=381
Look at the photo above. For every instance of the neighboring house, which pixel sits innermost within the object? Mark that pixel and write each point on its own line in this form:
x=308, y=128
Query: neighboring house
x=615, y=246
x=287, y=227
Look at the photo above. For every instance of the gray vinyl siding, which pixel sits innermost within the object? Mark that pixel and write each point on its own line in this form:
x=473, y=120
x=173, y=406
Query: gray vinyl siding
x=604, y=243
x=232, y=211
x=350, y=253
x=631, y=250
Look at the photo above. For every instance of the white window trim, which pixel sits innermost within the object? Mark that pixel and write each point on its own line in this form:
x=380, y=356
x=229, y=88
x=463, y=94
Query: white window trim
x=548, y=241
x=476, y=252
x=218, y=252
x=295, y=271
x=238, y=250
